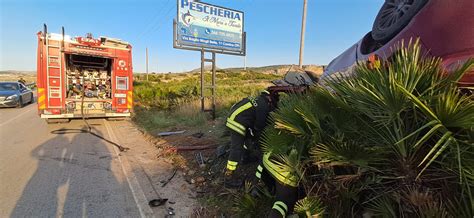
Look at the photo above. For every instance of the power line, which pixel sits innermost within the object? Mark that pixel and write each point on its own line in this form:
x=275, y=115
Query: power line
x=156, y=19
x=161, y=24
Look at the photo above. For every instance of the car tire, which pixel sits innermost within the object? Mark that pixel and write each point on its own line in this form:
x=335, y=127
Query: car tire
x=393, y=17
x=20, y=103
x=32, y=98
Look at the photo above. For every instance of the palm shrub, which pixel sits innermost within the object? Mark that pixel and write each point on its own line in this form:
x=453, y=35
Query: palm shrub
x=395, y=141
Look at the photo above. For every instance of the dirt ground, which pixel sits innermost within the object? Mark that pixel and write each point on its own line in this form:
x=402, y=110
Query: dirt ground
x=158, y=175
x=201, y=157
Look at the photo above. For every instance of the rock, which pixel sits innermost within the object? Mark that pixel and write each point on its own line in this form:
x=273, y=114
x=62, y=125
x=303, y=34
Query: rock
x=200, y=179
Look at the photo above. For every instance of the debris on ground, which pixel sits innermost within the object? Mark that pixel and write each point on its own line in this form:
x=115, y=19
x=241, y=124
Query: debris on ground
x=202, y=159
x=165, y=182
x=188, y=148
x=157, y=202
x=171, y=133
x=221, y=150
x=199, y=158
x=198, y=135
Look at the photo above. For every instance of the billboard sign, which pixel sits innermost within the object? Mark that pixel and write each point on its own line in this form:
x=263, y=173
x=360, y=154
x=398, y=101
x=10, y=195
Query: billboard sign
x=209, y=27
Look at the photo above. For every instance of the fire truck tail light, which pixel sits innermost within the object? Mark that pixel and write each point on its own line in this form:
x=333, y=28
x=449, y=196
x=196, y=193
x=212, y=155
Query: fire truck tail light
x=52, y=111
x=122, y=110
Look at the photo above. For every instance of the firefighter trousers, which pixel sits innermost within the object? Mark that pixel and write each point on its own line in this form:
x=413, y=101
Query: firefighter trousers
x=242, y=148
x=237, y=142
x=285, y=196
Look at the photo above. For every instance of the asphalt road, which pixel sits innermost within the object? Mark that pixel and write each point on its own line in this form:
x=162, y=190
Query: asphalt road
x=49, y=175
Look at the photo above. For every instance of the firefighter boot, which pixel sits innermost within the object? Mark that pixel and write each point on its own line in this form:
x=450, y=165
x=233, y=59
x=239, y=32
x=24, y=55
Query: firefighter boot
x=231, y=180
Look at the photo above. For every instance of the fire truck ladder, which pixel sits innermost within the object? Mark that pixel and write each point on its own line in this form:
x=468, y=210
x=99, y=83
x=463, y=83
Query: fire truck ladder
x=54, y=69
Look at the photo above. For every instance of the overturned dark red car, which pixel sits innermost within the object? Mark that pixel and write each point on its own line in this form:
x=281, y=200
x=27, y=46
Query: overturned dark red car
x=445, y=29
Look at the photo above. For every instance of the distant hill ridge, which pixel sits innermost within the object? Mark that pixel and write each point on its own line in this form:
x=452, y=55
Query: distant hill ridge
x=17, y=72
x=272, y=69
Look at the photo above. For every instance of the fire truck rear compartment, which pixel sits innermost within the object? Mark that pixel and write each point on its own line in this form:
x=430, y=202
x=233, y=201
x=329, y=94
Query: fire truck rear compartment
x=91, y=76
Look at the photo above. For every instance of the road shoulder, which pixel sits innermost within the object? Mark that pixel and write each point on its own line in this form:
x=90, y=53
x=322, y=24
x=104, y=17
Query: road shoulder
x=151, y=171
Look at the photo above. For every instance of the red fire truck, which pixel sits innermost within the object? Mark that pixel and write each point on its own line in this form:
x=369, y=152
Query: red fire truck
x=83, y=76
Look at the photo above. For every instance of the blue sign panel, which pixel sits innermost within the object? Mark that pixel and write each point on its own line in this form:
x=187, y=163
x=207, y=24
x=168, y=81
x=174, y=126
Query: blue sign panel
x=206, y=26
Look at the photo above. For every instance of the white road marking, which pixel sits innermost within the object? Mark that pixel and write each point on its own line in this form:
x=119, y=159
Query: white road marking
x=137, y=191
x=19, y=115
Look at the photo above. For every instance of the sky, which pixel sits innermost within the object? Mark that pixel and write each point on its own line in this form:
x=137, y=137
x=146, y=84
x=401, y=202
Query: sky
x=273, y=29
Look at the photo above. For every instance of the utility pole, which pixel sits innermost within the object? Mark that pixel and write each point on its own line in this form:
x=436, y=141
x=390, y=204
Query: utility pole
x=303, y=28
x=245, y=62
x=147, y=64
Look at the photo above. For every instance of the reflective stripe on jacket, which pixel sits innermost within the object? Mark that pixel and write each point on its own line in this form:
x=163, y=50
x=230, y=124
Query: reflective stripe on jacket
x=249, y=113
x=278, y=172
x=232, y=123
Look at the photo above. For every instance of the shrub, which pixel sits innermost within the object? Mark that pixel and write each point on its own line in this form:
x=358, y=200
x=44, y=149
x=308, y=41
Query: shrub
x=396, y=141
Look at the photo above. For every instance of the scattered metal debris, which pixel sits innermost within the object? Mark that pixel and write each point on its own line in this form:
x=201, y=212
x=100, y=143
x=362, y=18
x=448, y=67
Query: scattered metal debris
x=190, y=148
x=199, y=159
x=171, y=133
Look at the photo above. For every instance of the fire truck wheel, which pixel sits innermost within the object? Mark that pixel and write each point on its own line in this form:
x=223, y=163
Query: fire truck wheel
x=20, y=103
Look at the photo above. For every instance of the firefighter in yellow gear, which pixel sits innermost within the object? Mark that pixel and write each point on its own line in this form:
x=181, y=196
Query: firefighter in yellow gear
x=283, y=182
x=246, y=121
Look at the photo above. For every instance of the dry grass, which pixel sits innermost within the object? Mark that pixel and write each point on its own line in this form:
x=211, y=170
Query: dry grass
x=15, y=76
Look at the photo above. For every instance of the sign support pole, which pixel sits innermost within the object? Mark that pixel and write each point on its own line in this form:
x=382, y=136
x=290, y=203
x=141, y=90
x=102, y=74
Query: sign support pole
x=202, y=80
x=212, y=86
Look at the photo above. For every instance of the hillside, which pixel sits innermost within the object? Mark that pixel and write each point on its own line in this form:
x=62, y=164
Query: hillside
x=14, y=75
x=272, y=69
x=279, y=69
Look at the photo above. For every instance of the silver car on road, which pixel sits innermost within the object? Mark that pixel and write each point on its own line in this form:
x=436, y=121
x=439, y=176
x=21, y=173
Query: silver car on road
x=14, y=94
